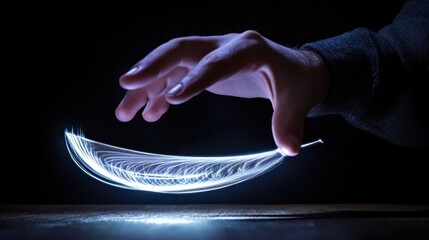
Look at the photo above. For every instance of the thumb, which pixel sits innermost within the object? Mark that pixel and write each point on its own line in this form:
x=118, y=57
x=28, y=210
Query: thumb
x=288, y=126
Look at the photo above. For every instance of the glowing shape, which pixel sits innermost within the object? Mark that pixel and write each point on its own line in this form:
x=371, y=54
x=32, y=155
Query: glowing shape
x=166, y=173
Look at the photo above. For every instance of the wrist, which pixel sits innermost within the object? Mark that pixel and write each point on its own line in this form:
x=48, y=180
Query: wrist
x=318, y=75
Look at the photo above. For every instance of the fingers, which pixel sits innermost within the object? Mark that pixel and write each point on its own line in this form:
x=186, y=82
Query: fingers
x=177, y=52
x=158, y=105
x=133, y=101
x=155, y=109
x=288, y=125
x=152, y=95
x=215, y=66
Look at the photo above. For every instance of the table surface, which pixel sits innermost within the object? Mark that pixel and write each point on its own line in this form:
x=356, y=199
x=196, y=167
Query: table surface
x=329, y=221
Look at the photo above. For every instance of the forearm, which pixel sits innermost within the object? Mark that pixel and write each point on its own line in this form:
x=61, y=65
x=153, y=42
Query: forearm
x=377, y=79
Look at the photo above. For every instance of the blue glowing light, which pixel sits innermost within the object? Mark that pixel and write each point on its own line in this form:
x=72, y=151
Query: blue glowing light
x=166, y=221
x=137, y=170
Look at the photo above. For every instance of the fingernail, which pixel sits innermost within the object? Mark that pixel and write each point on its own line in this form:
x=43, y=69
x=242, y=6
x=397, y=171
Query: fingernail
x=175, y=90
x=132, y=70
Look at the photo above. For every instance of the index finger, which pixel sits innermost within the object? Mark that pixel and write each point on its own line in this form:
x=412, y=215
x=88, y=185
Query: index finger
x=183, y=52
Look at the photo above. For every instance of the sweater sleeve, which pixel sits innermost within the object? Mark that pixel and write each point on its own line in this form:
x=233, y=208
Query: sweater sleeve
x=379, y=80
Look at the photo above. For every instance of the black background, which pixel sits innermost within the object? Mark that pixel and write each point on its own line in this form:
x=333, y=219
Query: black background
x=64, y=74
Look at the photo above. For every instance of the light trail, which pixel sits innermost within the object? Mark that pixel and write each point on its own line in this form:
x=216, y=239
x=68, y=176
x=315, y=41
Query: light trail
x=145, y=171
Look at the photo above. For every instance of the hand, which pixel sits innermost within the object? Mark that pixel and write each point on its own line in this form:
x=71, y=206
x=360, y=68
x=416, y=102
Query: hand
x=242, y=65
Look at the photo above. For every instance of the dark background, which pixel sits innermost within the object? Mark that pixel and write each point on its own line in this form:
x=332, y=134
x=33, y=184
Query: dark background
x=65, y=75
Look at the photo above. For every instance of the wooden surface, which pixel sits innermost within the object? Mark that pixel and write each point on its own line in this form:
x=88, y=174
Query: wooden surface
x=332, y=221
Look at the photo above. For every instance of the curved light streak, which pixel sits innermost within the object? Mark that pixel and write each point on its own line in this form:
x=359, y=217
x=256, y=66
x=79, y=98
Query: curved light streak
x=145, y=171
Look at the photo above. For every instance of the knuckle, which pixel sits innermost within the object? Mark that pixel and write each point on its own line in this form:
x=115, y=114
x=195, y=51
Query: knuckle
x=251, y=34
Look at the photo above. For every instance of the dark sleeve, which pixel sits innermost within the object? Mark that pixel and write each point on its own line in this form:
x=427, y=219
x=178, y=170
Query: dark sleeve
x=379, y=80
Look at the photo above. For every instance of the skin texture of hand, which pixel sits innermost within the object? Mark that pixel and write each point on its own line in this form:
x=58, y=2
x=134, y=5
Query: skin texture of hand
x=243, y=65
